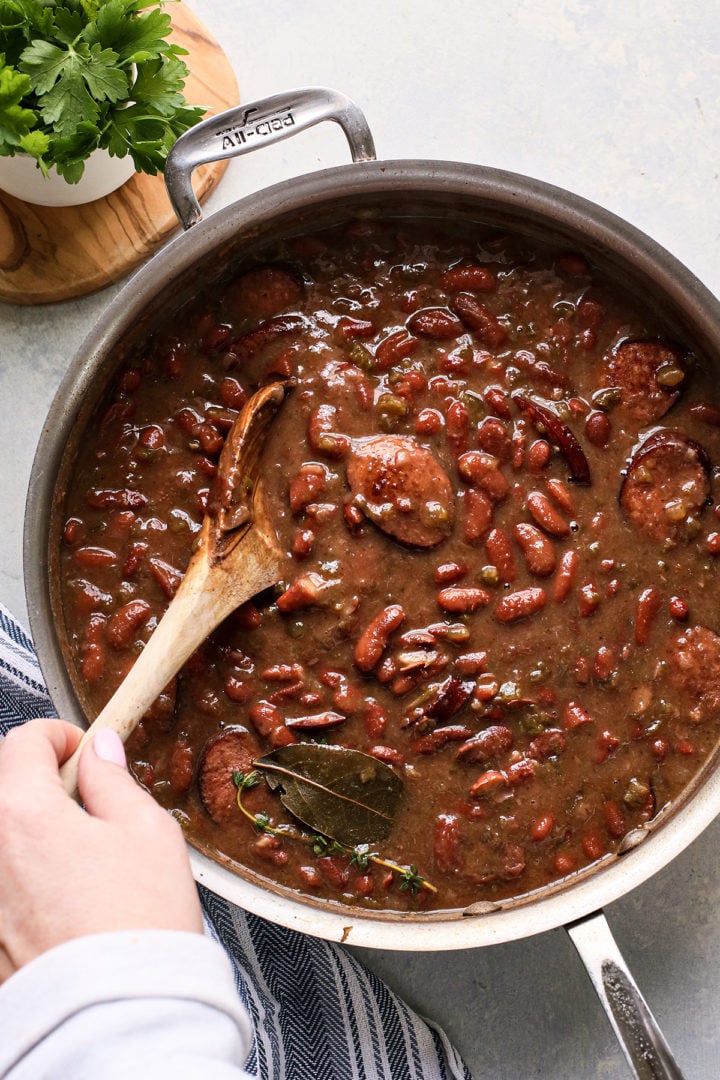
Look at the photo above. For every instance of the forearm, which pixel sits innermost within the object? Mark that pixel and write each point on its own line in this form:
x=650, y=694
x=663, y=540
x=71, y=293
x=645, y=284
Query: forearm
x=155, y=1004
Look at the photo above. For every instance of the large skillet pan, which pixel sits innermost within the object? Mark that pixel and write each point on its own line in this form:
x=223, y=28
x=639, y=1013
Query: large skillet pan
x=400, y=188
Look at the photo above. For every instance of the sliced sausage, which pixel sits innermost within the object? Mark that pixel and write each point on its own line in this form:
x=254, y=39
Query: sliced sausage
x=666, y=486
x=649, y=376
x=234, y=750
x=265, y=291
x=694, y=668
x=402, y=488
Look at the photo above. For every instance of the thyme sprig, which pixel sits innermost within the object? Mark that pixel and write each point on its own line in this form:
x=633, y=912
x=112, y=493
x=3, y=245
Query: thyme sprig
x=320, y=845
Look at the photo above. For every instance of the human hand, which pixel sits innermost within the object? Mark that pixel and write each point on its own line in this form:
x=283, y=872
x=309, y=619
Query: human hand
x=121, y=864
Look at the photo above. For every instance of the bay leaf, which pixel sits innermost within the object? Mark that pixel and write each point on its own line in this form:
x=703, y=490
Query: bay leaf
x=344, y=794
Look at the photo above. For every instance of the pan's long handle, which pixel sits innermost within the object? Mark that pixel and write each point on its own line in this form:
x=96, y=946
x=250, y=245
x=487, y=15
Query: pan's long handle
x=248, y=127
x=635, y=1026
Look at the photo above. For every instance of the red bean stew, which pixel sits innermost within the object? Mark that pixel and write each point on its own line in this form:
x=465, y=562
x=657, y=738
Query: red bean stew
x=495, y=482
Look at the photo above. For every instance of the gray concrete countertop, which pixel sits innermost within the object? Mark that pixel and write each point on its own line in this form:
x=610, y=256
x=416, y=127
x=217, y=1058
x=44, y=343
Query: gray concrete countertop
x=617, y=101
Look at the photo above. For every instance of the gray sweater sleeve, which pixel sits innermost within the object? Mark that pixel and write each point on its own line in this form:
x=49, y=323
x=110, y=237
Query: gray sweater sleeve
x=146, y=1004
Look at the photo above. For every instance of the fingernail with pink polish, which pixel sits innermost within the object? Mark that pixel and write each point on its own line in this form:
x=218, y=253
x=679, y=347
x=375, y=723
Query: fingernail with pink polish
x=108, y=746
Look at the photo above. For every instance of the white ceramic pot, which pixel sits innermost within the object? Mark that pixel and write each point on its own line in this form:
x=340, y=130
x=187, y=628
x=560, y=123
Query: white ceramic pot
x=21, y=176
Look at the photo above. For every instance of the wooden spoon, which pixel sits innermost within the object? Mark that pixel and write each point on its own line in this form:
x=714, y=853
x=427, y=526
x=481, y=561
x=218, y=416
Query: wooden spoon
x=237, y=557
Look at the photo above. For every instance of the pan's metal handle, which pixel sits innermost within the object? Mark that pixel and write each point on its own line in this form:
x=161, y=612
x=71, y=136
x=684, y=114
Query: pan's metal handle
x=244, y=129
x=635, y=1026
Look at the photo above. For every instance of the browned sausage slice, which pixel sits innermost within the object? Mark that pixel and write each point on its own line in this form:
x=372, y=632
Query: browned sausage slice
x=649, y=376
x=265, y=291
x=666, y=486
x=233, y=750
x=694, y=668
x=402, y=488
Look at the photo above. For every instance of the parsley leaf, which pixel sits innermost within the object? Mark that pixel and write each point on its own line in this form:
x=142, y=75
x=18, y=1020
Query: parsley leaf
x=15, y=121
x=133, y=40
x=83, y=74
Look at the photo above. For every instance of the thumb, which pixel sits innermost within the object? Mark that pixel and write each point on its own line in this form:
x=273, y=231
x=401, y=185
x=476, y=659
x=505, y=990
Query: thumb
x=106, y=787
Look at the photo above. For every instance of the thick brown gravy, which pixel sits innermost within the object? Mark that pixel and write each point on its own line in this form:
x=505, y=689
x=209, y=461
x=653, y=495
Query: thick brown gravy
x=495, y=484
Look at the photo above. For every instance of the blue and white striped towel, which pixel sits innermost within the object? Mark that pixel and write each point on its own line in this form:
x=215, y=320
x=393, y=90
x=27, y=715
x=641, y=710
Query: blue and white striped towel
x=317, y=1013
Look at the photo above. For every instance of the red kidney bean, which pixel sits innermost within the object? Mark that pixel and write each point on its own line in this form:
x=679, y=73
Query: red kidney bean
x=607, y=742
x=486, y=688
x=574, y=716
x=614, y=818
x=559, y=493
x=462, y=599
x=283, y=672
x=74, y=531
x=488, y=782
x=471, y=663
x=305, y=591
x=270, y=725
x=500, y=553
x=598, y=429
x=648, y=608
x=565, y=578
x=181, y=769
x=498, y=402
x=388, y=754
x=152, y=437
x=440, y=737
x=126, y=621
x=375, y=719
x=130, y=381
x=93, y=653
x=487, y=745
x=94, y=556
x=303, y=544
x=457, y=425
x=321, y=721
x=374, y=638
x=472, y=278
x=542, y=827
x=237, y=689
x=478, y=514
x=308, y=485
x=355, y=328
x=679, y=609
x=321, y=436
x=588, y=600
x=232, y=393
x=482, y=470
x=564, y=863
x=546, y=516
x=520, y=772
x=447, y=573
x=396, y=346
x=593, y=846
x=519, y=444
x=712, y=545
x=310, y=876
x=435, y=323
x=537, y=550
x=168, y=578
x=446, y=844
x=605, y=662
x=429, y=422
x=547, y=744
x=538, y=456
x=708, y=414
x=519, y=605
x=478, y=318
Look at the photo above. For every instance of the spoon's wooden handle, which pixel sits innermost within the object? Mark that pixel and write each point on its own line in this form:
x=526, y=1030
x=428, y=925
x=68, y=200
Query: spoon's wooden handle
x=207, y=595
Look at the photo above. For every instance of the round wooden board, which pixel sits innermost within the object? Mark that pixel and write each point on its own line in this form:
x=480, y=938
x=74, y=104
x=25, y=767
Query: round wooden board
x=49, y=253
